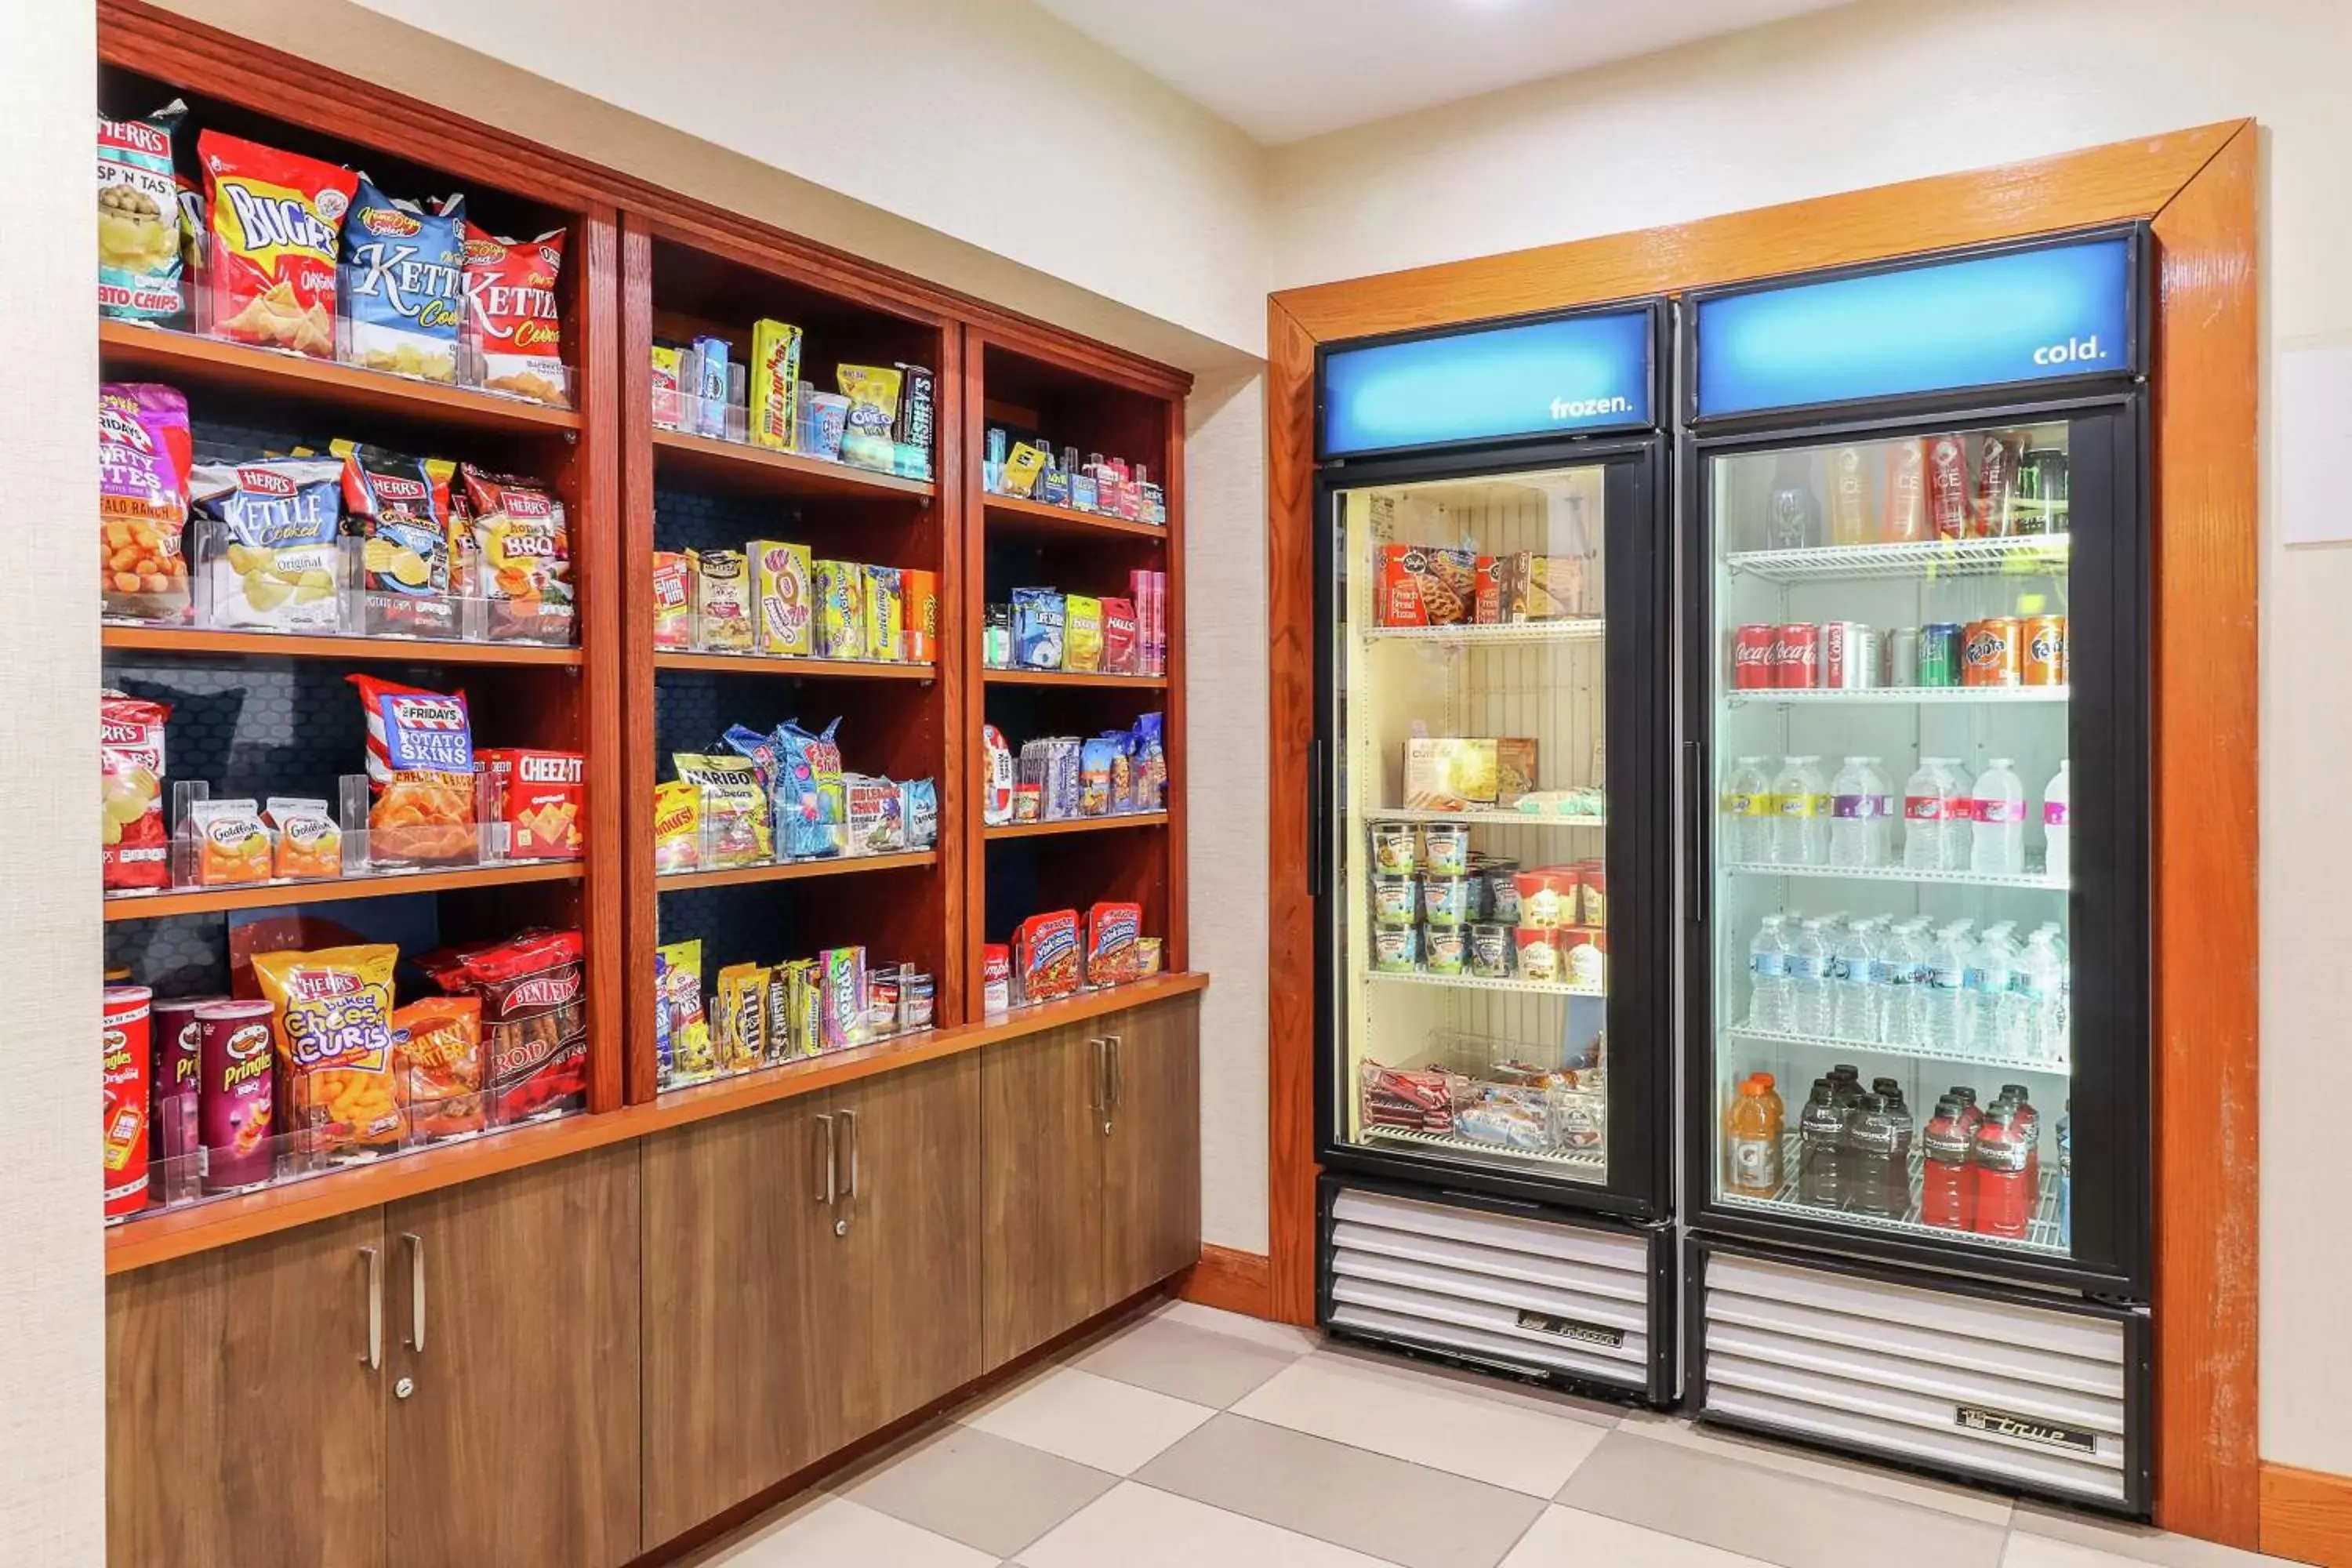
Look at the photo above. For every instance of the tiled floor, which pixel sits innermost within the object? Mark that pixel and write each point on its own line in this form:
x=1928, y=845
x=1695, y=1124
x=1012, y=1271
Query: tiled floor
x=1189, y=1438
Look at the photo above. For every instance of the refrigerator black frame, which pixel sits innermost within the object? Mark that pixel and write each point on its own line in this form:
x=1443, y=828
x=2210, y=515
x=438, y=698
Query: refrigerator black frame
x=2110, y=576
x=1661, y=1389
x=2139, y=1371
x=1638, y=579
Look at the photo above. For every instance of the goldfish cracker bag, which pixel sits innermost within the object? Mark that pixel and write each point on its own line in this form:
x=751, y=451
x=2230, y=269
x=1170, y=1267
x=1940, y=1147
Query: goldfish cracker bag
x=139, y=255
x=275, y=218
x=526, y=551
x=144, y=456
x=420, y=767
x=330, y=1011
x=513, y=322
x=232, y=846
x=437, y=1053
x=310, y=841
x=130, y=790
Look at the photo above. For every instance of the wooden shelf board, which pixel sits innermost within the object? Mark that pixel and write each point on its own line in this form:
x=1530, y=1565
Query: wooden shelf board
x=188, y=643
x=1067, y=678
x=794, y=667
x=1012, y=516
x=792, y=870
x=1076, y=824
x=269, y=895
x=200, y=1227
x=184, y=357
x=741, y=466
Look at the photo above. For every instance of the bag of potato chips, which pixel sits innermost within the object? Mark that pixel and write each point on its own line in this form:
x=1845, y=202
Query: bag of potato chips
x=139, y=217
x=405, y=545
x=276, y=559
x=274, y=218
x=331, y=1012
x=404, y=284
x=144, y=452
x=526, y=556
x=420, y=765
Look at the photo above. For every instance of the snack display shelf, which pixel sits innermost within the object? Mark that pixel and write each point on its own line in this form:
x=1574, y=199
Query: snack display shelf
x=1835, y=1044
x=189, y=642
x=2030, y=879
x=1898, y=696
x=795, y=668
x=2044, y=1231
x=1076, y=824
x=167, y=902
x=1477, y=982
x=789, y=870
x=1484, y=817
x=740, y=466
x=129, y=352
x=2024, y=555
x=1584, y=1162
x=1511, y=633
x=1016, y=517
x=1072, y=677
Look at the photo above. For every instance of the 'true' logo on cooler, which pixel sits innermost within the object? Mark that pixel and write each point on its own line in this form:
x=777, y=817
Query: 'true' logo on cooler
x=2074, y=351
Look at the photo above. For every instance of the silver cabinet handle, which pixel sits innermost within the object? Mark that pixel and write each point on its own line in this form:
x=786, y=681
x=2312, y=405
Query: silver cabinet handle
x=825, y=1193
x=1102, y=1079
x=373, y=1359
x=849, y=1121
x=416, y=1288
x=1117, y=1070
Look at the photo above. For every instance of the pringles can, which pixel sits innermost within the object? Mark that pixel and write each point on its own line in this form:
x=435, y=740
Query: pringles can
x=126, y=1023
x=2045, y=650
x=171, y=1091
x=236, y=1080
x=1939, y=654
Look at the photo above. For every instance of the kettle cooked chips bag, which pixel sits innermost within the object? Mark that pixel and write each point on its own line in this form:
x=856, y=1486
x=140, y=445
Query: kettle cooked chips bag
x=403, y=283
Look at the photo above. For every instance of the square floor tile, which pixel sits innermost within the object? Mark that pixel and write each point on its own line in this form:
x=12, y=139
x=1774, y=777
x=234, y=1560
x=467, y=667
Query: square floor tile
x=1406, y=1514
x=1185, y=1362
x=1287, y=1338
x=1564, y=1538
x=1488, y=1433
x=1091, y=1420
x=1135, y=1526
x=2042, y=1536
x=1784, y=1518
x=833, y=1532
x=1879, y=1481
x=974, y=1487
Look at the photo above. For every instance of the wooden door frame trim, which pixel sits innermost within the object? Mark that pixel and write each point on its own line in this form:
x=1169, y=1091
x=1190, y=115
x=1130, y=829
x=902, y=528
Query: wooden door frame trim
x=2198, y=185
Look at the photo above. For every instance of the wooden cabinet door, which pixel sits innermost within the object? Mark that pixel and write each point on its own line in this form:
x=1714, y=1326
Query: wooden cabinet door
x=741, y=1309
x=910, y=1155
x=244, y=1423
x=1041, y=1189
x=517, y=1441
x=1151, y=1179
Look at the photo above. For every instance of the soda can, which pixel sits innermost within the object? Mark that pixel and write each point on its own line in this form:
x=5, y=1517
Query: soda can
x=2045, y=650
x=1849, y=656
x=1939, y=654
x=1903, y=498
x=1751, y=658
x=1948, y=487
x=1994, y=655
x=1797, y=657
x=1903, y=657
x=2041, y=491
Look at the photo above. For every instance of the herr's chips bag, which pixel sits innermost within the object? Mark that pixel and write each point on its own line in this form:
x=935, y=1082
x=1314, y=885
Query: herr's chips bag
x=513, y=321
x=139, y=262
x=144, y=453
x=279, y=566
x=331, y=1010
x=526, y=556
x=403, y=574
x=274, y=219
x=404, y=284
x=420, y=766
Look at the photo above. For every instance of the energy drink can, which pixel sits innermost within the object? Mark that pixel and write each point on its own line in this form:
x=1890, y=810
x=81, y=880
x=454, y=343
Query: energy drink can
x=1939, y=654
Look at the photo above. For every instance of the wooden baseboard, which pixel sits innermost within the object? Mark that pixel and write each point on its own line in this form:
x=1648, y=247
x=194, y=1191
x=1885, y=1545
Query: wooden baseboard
x=1231, y=1281
x=2307, y=1515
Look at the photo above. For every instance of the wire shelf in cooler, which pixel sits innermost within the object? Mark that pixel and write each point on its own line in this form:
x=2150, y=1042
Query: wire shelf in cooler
x=2026, y=555
x=1510, y=633
x=1491, y=817
x=2027, y=879
x=1478, y=983
x=1839, y=1045
x=2043, y=1233
x=1590, y=1165
x=1898, y=696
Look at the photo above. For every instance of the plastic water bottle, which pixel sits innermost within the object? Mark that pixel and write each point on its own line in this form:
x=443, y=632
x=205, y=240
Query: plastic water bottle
x=1858, y=806
x=1800, y=836
x=1768, y=978
x=1998, y=810
x=1947, y=965
x=1748, y=813
x=1960, y=816
x=1808, y=981
x=2034, y=997
x=1923, y=818
x=1985, y=986
x=1854, y=1008
x=2057, y=853
x=1900, y=959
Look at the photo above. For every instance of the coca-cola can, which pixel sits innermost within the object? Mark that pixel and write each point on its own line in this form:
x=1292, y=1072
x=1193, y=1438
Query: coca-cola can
x=1797, y=656
x=1903, y=657
x=1849, y=656
x=1751, y=658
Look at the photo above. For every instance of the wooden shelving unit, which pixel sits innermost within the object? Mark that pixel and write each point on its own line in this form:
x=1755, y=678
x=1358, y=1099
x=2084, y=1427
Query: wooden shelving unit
x=1076, y=824
x=739, y=465
x=190, y=643
x=786, y=669
x=1013, y=517
x=796, y=870
x=382, y=885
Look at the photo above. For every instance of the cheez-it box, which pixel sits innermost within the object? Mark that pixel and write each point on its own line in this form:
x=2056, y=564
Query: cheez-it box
x=541, y=798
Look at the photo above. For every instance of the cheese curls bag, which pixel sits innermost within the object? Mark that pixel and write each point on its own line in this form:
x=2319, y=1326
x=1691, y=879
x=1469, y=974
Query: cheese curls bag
x=330, y=1011
x=420, y=766
x=275, y=221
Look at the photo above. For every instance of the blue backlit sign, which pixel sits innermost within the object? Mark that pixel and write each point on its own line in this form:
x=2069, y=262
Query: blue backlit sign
x=1569, y=377
x=1983, y=320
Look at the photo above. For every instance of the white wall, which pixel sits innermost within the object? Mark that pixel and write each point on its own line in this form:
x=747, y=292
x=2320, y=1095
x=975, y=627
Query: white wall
x=1887, y=92
x=52, y=1317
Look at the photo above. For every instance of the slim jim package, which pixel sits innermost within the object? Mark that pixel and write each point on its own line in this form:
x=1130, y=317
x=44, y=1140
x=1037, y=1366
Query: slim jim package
x=540, y=797
x=775, y=383
x=534, y=994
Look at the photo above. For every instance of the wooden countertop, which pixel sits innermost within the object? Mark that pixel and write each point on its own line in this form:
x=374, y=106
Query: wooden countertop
x=199, y=1228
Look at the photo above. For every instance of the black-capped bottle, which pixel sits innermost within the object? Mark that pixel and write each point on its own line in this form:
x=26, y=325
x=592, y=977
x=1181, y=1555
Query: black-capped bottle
x=1898, y=1196
x=1870, y=1173
x=1820, y=1148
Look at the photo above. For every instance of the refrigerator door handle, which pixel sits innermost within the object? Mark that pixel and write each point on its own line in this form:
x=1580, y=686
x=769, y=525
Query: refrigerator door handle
x=1317, y=827
x=1695, y=821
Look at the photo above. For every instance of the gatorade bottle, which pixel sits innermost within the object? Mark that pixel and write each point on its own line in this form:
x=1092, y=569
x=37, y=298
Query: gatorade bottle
x=1946, y=1194
x=1970, y=1117
x=2029, y=1123
x=1870, y=1175
x=1820, y=1132
x=1753, y=1141
x=2004, y=1192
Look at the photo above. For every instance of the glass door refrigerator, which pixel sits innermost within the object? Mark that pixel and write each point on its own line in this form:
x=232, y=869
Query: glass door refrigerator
x=1915, y=592
x=1491, y=824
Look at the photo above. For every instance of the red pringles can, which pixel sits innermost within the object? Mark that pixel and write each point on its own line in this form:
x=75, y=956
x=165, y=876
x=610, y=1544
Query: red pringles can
x=1849, y=656
x=124, y=1057
x=1796, y=656
x=236, y=1078
x=1948, y=487
x=172, y=1090
x=1903, y=496
x=1994, y=652
x=2045, y=650
x=1751, y=658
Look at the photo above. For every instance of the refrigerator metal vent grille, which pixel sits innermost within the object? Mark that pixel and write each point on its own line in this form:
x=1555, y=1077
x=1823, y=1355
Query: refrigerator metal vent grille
x=1532, y=1295
x=2019, y=1394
